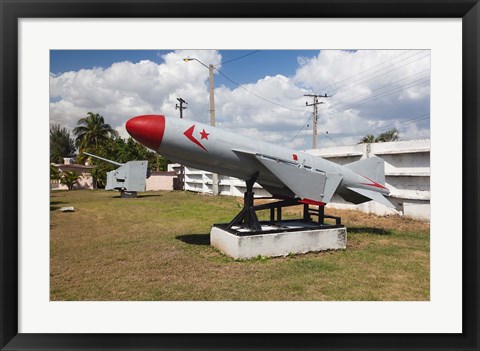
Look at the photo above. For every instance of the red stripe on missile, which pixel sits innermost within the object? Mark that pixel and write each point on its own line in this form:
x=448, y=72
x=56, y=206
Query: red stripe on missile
x=189, y=134
x=312, y=202
x=372, y=183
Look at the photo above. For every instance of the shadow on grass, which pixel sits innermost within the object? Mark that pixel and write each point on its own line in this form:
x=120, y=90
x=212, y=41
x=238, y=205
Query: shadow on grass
x=150, y=195
x=138, y=196
x=195, y=239
x=53, y=205
x=369, y=230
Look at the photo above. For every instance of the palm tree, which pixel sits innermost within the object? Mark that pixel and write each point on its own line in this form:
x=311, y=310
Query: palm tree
x=368, y=139
x=92, y=131
x=70, y=179
x=389, y=135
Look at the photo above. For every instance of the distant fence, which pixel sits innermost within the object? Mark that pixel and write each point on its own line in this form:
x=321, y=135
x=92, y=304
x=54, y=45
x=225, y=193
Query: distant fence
x=407, y=175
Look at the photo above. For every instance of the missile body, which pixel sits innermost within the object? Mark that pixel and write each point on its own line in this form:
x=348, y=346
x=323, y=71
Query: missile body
x=282, y=171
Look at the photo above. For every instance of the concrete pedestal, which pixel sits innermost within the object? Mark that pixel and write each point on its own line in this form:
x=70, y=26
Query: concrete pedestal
x=278, y=244
x=128, y=194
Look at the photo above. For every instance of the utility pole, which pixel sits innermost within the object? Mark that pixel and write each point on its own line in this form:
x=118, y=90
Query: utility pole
x=181, y=107
x=212, y=112
x=212, y=96
x=212, y=123
x=315, y=115
x=182, y=167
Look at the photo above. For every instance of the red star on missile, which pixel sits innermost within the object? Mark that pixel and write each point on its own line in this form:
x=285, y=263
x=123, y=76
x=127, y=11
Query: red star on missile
x=204, y=134
x=189, y=134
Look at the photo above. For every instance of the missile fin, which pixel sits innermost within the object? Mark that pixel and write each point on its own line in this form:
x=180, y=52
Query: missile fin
x=372, y=195
x=305, y=183
x=244, y=152
x=275, y=191
x=372, y=167
x=331, y=185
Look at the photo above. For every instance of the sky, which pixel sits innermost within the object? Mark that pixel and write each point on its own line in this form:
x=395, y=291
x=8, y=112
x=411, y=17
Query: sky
x=258, y=93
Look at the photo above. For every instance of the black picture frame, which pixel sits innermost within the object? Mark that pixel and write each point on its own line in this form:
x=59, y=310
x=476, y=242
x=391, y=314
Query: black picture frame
x=11, y=11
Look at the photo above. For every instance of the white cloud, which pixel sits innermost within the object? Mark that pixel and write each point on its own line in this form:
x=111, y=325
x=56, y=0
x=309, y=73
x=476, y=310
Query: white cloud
x=284, y=110
x=127, y=89
x=371, y=89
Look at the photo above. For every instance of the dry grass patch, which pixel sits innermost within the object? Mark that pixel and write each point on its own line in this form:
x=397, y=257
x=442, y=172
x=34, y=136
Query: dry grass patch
x=156, y=247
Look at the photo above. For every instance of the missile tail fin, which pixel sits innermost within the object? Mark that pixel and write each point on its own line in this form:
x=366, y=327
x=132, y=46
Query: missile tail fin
x=372, y=168
x=304, y=183
x=367, y=195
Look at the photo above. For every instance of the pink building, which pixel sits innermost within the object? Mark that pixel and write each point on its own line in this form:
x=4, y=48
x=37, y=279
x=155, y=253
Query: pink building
x=160, y=181
x=84, y=182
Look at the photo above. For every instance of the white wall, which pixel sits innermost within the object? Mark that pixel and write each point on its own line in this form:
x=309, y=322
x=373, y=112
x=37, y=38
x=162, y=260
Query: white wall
x=407, y=175
x=201, y=181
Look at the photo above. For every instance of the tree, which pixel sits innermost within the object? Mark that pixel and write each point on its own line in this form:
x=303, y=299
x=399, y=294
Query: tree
x=368, y=139
x=123, y=151
x=92, y=132
x=61, y=145
x=136, y=151
x=158, y=163
x=70, y=178
x=389, y=135
x=54, y=173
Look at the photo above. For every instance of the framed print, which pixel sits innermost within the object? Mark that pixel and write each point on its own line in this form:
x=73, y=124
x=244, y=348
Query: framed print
x=42, y=307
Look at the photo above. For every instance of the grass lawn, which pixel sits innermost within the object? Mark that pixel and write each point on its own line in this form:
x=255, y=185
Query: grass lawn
x=156, y=247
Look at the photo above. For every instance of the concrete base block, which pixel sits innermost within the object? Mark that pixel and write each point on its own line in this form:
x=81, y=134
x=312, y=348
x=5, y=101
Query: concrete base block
x=278, y=244
x=128, y=194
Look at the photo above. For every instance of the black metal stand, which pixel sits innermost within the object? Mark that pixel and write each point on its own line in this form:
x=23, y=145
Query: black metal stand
x=320, y=213
x=247, y=217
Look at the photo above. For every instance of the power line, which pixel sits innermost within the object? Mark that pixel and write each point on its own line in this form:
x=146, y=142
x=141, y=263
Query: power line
x=402, y=124
x=258, y=96
x=383, y=94
x=392, y=125
x=306, y=122
x=387, y=93
x=296, y=110
x=305, y=138
x=399, y=125
x=372, y=98
x=384, y=73
x=356, y=74
x=238, y=58
x=371, y=91
x=378, y=71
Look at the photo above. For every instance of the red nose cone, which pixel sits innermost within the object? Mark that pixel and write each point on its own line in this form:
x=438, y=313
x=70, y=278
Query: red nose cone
x=147, y=130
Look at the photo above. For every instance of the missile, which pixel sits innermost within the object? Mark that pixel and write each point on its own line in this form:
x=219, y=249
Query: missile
x=283, y=172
